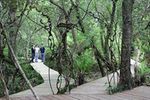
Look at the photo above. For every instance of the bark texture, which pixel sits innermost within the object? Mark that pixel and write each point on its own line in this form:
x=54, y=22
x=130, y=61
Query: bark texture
x=125, y=73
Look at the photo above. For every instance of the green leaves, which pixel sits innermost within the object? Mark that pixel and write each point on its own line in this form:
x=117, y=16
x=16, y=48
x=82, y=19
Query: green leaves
x=85, y=61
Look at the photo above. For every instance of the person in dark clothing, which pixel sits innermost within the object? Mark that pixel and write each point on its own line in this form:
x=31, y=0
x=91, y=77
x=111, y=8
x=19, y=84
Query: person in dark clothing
x=42, y=49
x=33, y=53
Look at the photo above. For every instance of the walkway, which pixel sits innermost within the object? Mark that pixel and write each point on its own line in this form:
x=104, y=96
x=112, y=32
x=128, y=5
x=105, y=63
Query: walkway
x=42, y=89
x=95, y=90
x=89, y=93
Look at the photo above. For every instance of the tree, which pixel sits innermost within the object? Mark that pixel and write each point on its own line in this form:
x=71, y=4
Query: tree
x=125, y=74
x=9, y=30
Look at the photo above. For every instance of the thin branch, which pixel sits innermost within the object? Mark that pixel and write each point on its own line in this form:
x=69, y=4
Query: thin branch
x=92, y=14
x=148, y=25
x=100, y=14
x=61, y=8
x=34, y=21
x=86, y=10
x=3, y=14
x=21, y=16
x=78, y=16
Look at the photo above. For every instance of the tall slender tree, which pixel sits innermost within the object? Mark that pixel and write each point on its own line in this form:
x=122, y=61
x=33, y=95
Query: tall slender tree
x=12, y=24
x=125, y=73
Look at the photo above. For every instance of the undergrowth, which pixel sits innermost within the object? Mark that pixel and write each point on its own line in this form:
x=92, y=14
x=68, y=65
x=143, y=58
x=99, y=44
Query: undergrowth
x=18, y=83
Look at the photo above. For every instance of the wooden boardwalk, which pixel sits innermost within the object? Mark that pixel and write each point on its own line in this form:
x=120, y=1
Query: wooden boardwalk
x=95, y=90
x=139, y=93
x=44, y=88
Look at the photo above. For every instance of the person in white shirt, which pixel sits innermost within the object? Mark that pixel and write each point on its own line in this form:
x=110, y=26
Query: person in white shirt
x=37, y=53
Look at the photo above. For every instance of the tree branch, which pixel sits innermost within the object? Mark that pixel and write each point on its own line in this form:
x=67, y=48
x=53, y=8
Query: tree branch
x=148, y=25
x=61, y=8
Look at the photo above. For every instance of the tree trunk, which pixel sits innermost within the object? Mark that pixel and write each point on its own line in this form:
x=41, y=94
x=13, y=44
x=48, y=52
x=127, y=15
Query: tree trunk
x=125, y=73
x=13, y=24
x=110, y=31
x=100, y=65
x=26, y=49
x=6, y=92
x=1, y=49
x=74, y=40
x=97, y=57
x=81, y=79
x=64, y=41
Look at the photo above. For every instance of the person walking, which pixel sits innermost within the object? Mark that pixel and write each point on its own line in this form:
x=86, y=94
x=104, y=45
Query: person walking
x=36, y=53
x=42, y=49
x=33, y=53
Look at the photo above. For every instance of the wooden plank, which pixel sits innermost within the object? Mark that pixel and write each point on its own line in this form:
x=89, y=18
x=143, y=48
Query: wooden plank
x=82, y=97
x=98, y=97
x=44, y=98
x=140, y=92
x=130, y=97
x=107, y=97
x=21, y=98
x=143, y=95
x=51, y=97
x=64, y=97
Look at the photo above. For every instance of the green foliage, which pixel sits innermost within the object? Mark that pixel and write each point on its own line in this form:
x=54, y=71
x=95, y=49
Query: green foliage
x=144, y=73
x=2, y=89
x=84, y=61
x=115, y=88
x=5, y=52
x=141, y=35
x=33, y=76
x=95, y=23
x=144, y=69
x=63, y=90
x=19, y=84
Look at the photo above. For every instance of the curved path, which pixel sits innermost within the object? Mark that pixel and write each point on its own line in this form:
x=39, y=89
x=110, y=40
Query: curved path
x=99, y=86
x=44, y=88
x=95, y=90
